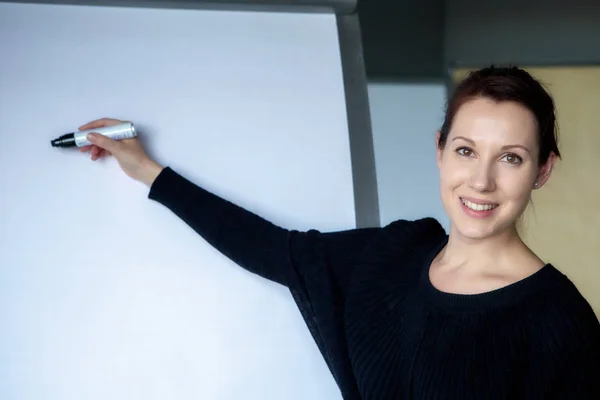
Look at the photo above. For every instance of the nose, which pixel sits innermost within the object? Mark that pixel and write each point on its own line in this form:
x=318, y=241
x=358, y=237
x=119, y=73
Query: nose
x=482, y=178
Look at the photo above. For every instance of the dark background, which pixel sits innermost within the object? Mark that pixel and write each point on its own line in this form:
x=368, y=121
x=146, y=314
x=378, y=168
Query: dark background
x=419, y=40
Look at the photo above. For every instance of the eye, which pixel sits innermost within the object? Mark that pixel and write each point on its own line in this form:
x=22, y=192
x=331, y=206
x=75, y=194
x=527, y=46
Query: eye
x=464, y=151
x=513, y=159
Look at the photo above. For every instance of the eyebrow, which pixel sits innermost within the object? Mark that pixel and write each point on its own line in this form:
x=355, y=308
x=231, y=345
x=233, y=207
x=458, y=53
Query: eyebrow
x=510, y=146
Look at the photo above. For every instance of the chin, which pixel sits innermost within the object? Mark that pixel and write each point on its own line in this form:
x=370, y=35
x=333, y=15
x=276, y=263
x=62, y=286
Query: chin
x=471, y=232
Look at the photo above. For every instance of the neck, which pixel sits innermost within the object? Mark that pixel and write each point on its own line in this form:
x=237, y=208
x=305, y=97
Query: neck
x=499, y=252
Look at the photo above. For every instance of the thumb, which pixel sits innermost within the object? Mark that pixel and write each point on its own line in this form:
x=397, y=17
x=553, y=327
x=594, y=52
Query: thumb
x=102, y=141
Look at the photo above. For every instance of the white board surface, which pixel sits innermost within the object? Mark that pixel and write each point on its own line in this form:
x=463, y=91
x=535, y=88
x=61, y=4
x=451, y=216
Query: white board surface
x=105, y=294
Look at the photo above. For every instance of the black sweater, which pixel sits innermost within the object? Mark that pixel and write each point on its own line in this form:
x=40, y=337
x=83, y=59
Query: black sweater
x=385, y=331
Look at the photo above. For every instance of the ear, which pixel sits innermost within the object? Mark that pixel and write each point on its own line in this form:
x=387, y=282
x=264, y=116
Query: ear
x=438, y=151
x=545, y=171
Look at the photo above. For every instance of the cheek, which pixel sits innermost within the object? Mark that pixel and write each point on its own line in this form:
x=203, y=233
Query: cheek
x=516, y=185
x=453, y=173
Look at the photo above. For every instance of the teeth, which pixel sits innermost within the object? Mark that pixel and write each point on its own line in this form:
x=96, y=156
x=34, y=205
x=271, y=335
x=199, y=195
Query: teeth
x=478, y=207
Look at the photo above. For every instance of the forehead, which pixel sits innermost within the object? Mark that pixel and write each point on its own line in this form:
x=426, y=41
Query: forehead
x=483, y=119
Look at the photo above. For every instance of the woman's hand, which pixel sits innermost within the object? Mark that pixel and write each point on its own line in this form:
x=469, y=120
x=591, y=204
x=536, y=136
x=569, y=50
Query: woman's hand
x=130, y=154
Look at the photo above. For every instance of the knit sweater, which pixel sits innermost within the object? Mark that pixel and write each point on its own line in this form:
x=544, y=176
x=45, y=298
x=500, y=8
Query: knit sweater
x=384, y=330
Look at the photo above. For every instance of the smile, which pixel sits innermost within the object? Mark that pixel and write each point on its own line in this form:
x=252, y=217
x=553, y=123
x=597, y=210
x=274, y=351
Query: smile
x=478, y=207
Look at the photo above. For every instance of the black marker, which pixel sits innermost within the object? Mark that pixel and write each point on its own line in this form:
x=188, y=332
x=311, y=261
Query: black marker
x=79, y=139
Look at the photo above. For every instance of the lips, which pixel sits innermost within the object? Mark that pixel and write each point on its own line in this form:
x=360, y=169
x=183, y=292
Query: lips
x=477, y=208
x=478, y=205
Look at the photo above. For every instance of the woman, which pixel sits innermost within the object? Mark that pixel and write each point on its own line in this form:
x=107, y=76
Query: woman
x=407, y=311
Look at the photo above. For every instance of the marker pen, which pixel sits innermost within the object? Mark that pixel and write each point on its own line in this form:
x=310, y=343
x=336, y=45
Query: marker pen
x=79, y=139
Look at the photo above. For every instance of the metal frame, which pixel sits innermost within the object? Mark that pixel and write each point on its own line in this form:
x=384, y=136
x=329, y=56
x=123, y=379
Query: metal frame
x=364, y=176
x=337, y=6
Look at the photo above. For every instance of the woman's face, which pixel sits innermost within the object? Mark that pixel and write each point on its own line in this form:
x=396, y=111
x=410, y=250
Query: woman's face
x=488, y=167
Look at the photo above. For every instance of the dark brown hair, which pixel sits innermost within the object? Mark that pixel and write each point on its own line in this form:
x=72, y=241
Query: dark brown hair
x=508, y=84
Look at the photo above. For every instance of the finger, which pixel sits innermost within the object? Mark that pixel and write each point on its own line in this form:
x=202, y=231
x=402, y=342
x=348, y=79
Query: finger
x=86, y=148
x=98, y=154
x=103, y=142
x=99, y=123
x=95, y=152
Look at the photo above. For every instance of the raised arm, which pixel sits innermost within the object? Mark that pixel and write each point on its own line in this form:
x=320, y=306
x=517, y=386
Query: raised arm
x=304, y=261
x=278, y=254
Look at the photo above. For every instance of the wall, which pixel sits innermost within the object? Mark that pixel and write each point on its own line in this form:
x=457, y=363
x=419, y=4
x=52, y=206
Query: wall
x=405, y=119
x=524, y=32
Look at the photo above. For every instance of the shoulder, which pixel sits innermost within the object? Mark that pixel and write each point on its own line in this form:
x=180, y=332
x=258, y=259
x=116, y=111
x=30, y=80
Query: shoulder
x=564, y=316
x=404, y=242
x=389, y=267
x=412, y=234
x=567, y=336
x=566, y=299
x=425, y=224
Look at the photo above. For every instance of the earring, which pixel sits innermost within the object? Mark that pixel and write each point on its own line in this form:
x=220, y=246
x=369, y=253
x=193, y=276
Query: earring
x=536, y=184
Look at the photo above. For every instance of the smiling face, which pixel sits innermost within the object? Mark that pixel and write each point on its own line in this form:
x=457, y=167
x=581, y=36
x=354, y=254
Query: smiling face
x=489, y=166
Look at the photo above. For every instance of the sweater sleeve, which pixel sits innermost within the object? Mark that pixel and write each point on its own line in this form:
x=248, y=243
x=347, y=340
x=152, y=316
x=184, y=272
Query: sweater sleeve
x=314, y=265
